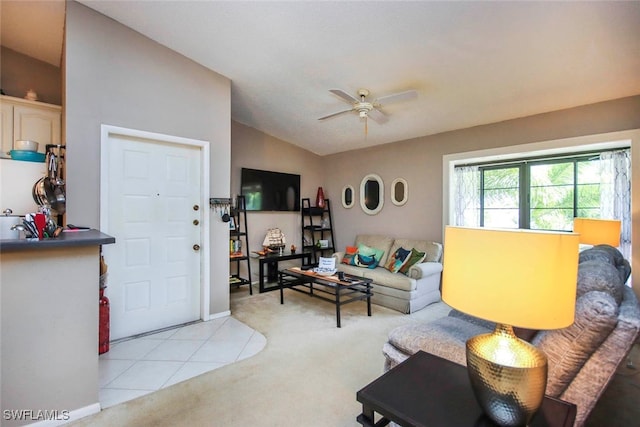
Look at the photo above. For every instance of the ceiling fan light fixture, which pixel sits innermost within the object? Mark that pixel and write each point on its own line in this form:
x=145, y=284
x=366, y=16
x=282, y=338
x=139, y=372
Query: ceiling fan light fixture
x=366, y=109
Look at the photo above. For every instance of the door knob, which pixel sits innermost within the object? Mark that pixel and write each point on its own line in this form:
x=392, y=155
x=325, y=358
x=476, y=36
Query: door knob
x=196, y=247
x=196, y=222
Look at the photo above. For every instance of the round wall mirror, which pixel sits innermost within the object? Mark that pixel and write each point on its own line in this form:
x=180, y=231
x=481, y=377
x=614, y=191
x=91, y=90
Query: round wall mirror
x=399, y=191
x=347, y=196
x=371, y=194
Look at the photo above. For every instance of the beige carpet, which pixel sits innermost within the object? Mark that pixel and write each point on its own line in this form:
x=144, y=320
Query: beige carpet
x=307, y=375
x=309, y=372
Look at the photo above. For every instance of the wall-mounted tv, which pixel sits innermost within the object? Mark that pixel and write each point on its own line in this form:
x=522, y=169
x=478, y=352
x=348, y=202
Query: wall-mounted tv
x=270, y=191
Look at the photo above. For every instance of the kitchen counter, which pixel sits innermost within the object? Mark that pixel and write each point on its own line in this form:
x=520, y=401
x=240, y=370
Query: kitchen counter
x=65, y=240
x=49, y=326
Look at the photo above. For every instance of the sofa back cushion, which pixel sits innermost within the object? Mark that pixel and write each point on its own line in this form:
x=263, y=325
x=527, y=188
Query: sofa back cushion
x=609, y=254
x=432, y=249
x=378, y=242
x=598, y=275
x=569, y=348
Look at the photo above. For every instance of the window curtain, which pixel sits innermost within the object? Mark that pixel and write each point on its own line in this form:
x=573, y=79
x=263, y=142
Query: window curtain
x=466, y=184
x=615, y=193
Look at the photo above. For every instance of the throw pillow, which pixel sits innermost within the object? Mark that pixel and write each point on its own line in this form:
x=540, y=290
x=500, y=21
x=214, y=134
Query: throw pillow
x=367, y=257
x=397, y=260
x=415, y=257
x=349, y=253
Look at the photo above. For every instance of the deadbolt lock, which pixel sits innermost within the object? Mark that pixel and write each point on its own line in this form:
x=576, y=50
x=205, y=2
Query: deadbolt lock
x=196, y=247
x=196, y=207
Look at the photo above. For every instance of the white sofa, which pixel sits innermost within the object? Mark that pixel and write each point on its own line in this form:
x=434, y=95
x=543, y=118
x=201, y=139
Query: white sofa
x=409, y=292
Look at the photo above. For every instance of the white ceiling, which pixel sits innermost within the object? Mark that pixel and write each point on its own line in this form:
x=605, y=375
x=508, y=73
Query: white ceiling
x=471, y=62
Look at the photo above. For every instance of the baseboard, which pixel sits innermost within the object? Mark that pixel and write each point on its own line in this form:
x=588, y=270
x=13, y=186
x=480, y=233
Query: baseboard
x=219, y=315
x=62, y=417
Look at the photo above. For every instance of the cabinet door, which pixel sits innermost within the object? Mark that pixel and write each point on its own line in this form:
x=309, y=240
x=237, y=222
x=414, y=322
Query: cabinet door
x=6, y=129
x=41, y=125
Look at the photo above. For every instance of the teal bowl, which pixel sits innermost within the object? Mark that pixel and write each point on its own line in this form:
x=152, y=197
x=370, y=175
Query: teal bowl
x=27, y=156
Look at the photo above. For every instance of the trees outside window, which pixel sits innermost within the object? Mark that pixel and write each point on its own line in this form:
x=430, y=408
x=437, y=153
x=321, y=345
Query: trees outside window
x=540, y=195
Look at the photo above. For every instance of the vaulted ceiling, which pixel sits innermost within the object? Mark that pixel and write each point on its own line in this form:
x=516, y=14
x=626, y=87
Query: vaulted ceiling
x=471, y=63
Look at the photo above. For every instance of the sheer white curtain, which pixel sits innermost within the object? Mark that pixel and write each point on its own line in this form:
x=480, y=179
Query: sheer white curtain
x=466, y=184
x=615, y=193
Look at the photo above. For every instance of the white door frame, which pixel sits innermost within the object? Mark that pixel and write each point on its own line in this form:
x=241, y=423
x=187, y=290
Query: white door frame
x=108, y=131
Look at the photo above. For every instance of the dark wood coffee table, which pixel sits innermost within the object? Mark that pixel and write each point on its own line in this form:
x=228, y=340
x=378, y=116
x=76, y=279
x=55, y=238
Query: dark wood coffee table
x=353, y=288
x=426, y=390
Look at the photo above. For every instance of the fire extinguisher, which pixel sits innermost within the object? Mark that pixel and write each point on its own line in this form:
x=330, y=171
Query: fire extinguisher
x=103, y=333
x=103, y=327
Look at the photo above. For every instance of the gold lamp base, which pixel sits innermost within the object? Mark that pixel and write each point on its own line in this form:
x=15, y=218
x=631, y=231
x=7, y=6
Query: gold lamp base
x=508, y=376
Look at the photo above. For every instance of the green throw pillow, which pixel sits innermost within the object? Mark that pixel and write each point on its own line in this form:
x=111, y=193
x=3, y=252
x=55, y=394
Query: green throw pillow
x=416, y=257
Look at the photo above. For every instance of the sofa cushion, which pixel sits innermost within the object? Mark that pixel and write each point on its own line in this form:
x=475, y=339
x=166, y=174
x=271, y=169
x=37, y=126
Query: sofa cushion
x=414, y=258
x=596, y=254
x=349, y=252
x=567, y=349
x=522, y=333
x=385, y=277
x=397, y=260
x=597, y=275
x=623, y=266
x=445, y=337
x=378, y=242
x=367, y=257
x=433, y=250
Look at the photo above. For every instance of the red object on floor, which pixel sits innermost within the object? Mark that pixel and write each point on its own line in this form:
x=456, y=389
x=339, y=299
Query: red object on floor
x=103, y=331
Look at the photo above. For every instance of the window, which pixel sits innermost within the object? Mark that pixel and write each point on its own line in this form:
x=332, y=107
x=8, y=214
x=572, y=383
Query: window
x=540, y=194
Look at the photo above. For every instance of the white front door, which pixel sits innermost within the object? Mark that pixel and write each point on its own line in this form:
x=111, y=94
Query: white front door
x=154, y=199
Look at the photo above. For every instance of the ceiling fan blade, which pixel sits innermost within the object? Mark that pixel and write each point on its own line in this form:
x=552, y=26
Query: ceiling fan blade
x=344, y=95
x=336, y=114
x=377, y=116
x=400, y=96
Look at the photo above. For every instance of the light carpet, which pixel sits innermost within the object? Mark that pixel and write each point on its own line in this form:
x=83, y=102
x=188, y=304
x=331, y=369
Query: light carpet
x=307, y=375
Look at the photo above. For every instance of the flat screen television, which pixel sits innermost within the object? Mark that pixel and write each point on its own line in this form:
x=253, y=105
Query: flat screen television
x=270, y=191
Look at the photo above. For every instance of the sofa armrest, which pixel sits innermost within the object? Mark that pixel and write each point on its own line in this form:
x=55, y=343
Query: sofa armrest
x=424, y=269
x=338, y=257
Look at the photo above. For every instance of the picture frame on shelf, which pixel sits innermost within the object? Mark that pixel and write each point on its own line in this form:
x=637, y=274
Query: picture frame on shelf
x=232, y=223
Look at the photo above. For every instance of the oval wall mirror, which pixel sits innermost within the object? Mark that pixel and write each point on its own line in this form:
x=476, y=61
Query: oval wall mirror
x=371, y=194
x=399, y=191
x=347, y=196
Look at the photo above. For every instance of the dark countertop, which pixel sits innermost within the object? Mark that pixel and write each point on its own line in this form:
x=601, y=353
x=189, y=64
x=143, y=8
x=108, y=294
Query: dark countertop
x=65, y=240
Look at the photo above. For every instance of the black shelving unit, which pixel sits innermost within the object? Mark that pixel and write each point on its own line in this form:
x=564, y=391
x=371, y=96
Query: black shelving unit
x=317, y=225
x=239, y=216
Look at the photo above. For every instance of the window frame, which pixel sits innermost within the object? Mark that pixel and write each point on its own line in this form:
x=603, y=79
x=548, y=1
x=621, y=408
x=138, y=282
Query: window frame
x=524, y=181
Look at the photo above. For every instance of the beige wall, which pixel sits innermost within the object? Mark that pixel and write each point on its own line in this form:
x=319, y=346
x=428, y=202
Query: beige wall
x=115, y=76
x=19, y=73
x=419, y=161
x=256, y=150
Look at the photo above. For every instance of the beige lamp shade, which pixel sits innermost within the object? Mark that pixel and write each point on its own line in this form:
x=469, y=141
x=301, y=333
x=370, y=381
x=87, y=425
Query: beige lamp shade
x=521, y=278
x=598, y=231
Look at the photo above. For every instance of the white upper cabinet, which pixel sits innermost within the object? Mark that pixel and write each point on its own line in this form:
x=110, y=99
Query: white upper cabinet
x=36, y=121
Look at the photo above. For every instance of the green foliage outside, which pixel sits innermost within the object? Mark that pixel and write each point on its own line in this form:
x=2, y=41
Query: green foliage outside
x=558, y=191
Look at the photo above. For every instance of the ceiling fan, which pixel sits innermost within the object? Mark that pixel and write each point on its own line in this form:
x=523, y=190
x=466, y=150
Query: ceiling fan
x=366, y=108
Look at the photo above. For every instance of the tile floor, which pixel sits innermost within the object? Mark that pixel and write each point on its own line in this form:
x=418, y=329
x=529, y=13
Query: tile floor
x=143, y=365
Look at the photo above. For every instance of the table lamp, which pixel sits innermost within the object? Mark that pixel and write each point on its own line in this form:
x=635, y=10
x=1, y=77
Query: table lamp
x=517, y=278
x=598, y=231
